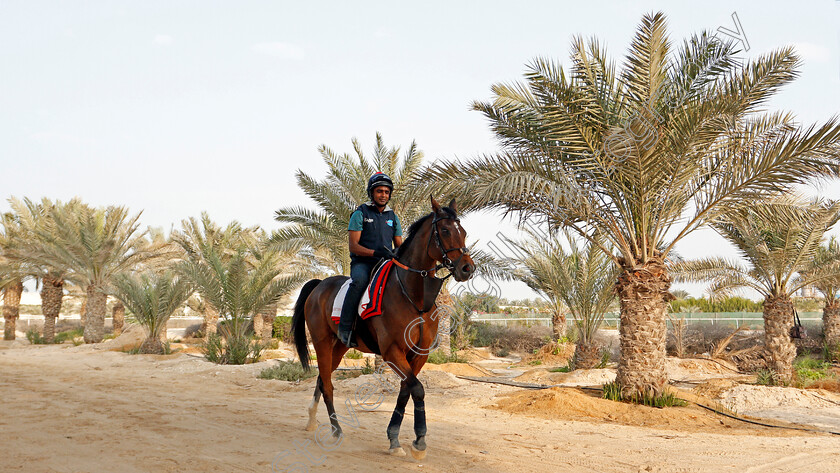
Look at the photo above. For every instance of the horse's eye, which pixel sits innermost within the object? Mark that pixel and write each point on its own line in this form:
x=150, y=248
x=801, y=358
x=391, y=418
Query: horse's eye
x=444, y=231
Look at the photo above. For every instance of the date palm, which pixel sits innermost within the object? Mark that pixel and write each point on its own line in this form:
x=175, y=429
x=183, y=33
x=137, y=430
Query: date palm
x=32, y=217
x=91, y=247
x=322, y=233
x=827, y=258
x=644, y=155
x=239, y=285
x=580, y=278
x=12, y=272
x=778, y=239
x=152, y=298
x=197, y=241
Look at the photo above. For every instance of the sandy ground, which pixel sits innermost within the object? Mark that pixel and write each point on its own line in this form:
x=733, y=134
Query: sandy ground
x=82, y=409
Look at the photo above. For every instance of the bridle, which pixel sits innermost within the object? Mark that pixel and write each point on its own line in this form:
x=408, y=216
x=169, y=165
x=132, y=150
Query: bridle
x=446, y=262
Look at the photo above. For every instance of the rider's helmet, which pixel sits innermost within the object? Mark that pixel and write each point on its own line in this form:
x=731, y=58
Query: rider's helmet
x=379, y=179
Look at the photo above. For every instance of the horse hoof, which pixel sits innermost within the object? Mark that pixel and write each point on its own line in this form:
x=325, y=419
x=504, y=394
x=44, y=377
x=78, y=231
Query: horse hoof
x=418, y=454
x=397, y=452
x=310, y=427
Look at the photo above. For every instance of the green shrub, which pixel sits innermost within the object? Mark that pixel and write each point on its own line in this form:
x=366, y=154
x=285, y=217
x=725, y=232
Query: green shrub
x=353, y=354
x=563, y=369
x=765, y=377
x=287, y=371
x=807, y=370
x=438, y=357
x=612, y=391
x=368, y=368
x=232, y=350
x=62, y=337
x=34, y=337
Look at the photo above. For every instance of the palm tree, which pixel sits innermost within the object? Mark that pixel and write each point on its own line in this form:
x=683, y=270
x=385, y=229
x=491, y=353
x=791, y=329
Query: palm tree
x=582, y=279
x=91, y=246
x=32, y=217
x=322, y=234
x=239, y=286
x=200, y=238
x=644, y=156
x=12, y=273
x=779, y=239
x=152, y=298
x=827, y=258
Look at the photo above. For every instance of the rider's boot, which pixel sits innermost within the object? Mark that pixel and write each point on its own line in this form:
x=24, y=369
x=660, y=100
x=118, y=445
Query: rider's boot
x=345, y=325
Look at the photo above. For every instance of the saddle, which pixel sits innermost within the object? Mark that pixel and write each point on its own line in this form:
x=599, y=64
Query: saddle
x=371, y=303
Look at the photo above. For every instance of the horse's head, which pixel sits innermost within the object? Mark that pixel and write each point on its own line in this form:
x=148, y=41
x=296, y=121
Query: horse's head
x=449, y=241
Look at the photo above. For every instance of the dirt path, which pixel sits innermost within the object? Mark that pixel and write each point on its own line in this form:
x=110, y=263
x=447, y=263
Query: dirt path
x=82, y=410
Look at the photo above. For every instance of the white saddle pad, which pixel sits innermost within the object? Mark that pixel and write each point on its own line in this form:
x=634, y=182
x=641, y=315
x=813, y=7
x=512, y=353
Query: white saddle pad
x=342, y=294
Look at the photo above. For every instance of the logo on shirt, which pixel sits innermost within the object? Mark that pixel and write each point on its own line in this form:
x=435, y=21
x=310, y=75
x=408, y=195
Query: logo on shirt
x=369, y=220
x=390, y=223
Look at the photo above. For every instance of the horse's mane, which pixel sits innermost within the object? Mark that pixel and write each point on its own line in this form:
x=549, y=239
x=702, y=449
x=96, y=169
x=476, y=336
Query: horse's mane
x=415, y=227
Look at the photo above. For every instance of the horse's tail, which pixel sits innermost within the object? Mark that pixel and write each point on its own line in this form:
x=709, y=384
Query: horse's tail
x=299, y=323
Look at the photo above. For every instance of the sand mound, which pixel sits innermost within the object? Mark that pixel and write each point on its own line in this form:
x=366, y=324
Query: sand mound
x=572, y=404
x=131, y=337
x=680, y=369
x=552, y=354
x=475, y=354
x=593, y=377
x=746, y=398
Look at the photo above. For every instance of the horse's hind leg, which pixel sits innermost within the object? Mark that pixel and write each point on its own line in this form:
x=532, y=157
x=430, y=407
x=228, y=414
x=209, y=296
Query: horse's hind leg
x=313, y=406
x=327, y=363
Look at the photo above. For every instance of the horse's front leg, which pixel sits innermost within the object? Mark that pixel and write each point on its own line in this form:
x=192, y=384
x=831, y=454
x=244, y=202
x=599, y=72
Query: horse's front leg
x=396, y=420
x=418, y=396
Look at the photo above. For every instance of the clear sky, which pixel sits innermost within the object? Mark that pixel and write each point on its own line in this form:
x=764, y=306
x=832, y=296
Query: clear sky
x=177, y=107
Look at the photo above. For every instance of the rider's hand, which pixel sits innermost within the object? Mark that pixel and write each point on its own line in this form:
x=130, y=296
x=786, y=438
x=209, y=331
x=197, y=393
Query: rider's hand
x=384, y=252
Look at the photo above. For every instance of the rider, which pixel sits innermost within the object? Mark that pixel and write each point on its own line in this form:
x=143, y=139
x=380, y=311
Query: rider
x=374, y=231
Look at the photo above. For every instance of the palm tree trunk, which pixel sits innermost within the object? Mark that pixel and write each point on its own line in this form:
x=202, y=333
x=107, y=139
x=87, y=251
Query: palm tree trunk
x=52, y=293
x=118, y=315
x=267, y=315
x=11, y=307
x=643, y=294
x=444, y=324
x=558, y=324
x=82, y=313
x=95, y=314
x=152, y=346
x=831, y=328
x=211, y=318
x=257, y=321
x=778, y=320
x=587, y=356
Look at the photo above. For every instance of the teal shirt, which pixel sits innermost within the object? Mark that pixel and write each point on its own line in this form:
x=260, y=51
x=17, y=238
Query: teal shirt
x=356, y=223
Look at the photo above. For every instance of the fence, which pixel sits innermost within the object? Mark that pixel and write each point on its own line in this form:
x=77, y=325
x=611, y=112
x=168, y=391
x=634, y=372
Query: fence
x=751, y=319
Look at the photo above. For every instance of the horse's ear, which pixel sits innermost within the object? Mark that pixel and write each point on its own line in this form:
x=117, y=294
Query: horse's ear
x=435, y=204
x=452, y=205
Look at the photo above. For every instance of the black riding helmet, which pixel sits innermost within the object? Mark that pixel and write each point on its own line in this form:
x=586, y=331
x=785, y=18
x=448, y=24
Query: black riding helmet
x=379, y=179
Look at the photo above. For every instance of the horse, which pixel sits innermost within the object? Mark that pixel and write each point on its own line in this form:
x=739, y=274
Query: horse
x=434, y=241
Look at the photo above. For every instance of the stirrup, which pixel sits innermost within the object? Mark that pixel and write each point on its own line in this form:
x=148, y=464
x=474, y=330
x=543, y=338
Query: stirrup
x=347, y=338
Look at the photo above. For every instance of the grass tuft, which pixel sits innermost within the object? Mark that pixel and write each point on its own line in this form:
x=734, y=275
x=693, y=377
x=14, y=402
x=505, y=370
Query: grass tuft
x=353, y=354
x=612, y=391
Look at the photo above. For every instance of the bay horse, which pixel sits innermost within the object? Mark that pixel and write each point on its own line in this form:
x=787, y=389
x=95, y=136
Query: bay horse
x=405, y=331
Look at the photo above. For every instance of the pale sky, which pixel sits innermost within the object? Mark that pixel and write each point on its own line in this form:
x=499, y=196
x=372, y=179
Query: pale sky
x=177, y=107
